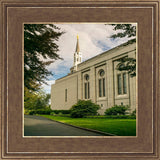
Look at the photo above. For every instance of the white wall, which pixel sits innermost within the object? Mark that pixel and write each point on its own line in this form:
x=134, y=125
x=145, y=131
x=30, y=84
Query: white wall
x=58, y=93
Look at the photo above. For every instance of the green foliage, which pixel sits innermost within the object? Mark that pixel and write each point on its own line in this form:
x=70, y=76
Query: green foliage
x=127, y=64
x=52, y=113
x=35, y=100
x=117, y=110
x=26, y=112
x=46, y=111
x=133, y=113
x=84, y=108
x=62, y=111
x=126, y=30
x=40, y=49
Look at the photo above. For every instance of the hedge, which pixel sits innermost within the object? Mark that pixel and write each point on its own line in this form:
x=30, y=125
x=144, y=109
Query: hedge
x=40, y=111
x=61, y=111
x=47, y=111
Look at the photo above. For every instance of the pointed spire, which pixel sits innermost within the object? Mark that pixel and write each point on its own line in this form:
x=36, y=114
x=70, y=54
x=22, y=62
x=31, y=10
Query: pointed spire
x=77, y=56
x=77, y=46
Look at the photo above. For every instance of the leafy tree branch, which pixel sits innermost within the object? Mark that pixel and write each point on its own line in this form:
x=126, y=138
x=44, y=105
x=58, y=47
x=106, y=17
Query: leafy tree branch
x=126, y=30
x=40, y=50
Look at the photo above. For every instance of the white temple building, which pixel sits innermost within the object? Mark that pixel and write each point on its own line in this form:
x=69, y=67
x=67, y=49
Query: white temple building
x=96, y=79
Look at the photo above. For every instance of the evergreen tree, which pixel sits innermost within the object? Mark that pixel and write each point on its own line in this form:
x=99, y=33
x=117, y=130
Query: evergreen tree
x=40, y=50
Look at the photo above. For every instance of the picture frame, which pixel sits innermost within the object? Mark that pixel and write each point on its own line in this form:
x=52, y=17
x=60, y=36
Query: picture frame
x=14, y=13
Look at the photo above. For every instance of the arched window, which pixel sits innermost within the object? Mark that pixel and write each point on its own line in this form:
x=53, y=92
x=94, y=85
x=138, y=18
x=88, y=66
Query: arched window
x=86, y=87
x=101, y=83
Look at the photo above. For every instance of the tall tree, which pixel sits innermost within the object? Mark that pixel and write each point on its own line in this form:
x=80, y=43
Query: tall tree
x=40, y=50
x=126, y=30
x=35, y=100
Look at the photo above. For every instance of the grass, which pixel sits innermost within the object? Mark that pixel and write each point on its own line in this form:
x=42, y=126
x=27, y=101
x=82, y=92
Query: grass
x=119, y=127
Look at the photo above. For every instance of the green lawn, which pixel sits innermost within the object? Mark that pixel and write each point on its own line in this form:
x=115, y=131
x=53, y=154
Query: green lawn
x=119, y=127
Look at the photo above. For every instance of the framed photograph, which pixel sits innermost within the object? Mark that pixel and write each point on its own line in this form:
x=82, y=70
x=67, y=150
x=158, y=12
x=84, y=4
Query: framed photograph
x=92, y=85
x=101, y=59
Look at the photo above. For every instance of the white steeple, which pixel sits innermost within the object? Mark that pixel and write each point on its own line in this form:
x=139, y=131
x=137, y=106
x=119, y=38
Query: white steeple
x=77, y=55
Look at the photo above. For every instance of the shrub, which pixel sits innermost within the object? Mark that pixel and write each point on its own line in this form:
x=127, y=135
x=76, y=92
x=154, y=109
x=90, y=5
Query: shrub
x=26, y=112
x=117, y=110
x=133, y=113
x=60, y=113
x=52, y=113
x=84, y=108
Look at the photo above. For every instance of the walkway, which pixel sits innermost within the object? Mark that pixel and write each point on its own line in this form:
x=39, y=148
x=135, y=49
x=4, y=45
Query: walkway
x=40, y=126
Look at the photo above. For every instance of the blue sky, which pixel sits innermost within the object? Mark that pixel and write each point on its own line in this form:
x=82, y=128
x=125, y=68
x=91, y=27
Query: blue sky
x=93, y=40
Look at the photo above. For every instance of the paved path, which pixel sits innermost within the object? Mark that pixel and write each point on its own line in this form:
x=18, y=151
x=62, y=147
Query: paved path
x=40, y=126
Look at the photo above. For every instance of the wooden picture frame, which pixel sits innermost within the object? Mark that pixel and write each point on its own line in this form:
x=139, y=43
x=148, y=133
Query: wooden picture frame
x=146, y=145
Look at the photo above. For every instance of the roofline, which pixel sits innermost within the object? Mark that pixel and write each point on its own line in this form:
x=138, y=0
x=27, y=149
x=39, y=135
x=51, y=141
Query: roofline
x=66, y=75
x=121, y=45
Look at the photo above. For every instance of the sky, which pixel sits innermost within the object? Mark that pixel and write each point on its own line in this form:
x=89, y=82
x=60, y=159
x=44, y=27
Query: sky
x=94, y=39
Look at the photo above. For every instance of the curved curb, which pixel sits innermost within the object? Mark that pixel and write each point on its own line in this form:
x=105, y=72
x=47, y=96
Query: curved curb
x=87, y=129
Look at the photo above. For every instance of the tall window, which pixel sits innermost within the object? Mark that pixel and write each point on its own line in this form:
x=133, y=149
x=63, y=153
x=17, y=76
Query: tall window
x=86, y=87
x=103, y=87
x=101, y=83
x=119, y=79
x=100, y=87
x=122, y=83
x=65, y=95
